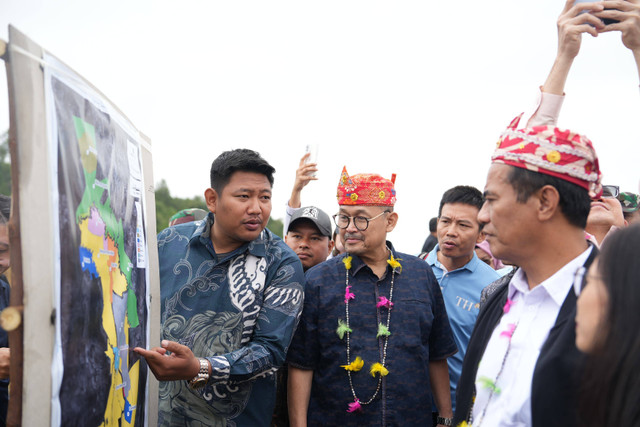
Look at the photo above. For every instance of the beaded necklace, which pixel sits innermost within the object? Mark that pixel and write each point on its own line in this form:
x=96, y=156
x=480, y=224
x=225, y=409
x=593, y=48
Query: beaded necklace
x=383, y=332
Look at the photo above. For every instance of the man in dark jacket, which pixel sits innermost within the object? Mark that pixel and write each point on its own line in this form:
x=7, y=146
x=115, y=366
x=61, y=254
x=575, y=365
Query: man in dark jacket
x=522, y=361
x=522, y=367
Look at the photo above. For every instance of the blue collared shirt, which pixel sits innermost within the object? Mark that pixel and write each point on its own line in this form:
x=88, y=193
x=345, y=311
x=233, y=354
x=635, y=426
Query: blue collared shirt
x=239, y=310
x=420, y=333
x=461, y=292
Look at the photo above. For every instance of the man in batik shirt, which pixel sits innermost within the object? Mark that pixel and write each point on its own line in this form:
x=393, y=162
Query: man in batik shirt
x=374, y=337
x=231, y=296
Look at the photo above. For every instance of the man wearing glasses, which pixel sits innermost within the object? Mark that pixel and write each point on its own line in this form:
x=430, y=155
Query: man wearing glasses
x=373, y=340
x=605, y=215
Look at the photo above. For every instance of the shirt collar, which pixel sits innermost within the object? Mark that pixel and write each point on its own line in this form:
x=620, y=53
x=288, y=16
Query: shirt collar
x=357, y=264
x=432, y=259
x=557, y=286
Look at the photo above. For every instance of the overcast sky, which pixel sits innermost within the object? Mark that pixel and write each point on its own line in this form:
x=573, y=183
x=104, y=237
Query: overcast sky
x=421, y=89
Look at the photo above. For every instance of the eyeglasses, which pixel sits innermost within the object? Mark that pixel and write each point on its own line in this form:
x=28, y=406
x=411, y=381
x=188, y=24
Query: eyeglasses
x=360, y=222
x=579, y=280
x=582, y=279
x=610, y=191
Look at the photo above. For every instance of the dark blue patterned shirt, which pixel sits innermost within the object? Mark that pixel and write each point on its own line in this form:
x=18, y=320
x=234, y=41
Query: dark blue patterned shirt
x=239, y=310
x=420, y=333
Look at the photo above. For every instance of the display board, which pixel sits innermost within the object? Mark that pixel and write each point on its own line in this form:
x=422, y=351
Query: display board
x=89, y=299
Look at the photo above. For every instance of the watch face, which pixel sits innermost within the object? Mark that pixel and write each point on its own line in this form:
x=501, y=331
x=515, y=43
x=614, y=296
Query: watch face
x=198, y=383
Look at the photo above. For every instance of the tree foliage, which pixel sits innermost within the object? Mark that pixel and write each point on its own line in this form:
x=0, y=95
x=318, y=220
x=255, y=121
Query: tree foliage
x=5, y=165
x=167, y=206
x=276, y=226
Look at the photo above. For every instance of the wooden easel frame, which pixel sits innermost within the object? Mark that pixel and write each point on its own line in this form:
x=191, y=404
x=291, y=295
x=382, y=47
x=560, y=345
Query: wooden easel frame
x=32, y=251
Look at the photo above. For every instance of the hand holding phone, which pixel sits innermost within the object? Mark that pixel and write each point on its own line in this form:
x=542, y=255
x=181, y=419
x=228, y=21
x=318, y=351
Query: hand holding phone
x=605, y=21
x=312, y=150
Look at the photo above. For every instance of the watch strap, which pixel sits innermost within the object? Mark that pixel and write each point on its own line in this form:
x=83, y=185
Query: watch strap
x=202, y=376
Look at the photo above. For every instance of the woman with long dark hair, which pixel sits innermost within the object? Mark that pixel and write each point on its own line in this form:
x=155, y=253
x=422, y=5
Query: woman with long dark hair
x=607, y=322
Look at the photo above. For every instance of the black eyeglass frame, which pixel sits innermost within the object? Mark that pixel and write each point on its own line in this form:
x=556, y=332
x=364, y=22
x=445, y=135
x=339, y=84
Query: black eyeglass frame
x=356, y=219
x=613, y=191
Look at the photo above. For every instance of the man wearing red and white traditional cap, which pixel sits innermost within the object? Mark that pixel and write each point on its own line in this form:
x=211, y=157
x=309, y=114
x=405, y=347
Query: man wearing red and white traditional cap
x=521, y=359
x=373, y=340
x=522, y=367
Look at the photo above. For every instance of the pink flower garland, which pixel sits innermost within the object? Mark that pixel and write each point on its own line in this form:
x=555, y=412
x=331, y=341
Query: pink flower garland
x=348, y=294
x=384, y=302
x=343, y=328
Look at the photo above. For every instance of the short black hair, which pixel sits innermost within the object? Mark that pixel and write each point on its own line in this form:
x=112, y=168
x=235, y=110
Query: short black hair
x=240, y=159
x=463, y=194
x=575, y=202
x=5, y=208
x=433, y=224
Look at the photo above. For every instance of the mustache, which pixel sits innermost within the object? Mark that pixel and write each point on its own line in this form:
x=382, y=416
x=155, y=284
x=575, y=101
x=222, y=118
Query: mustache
x=352, y=236
x=253, y=219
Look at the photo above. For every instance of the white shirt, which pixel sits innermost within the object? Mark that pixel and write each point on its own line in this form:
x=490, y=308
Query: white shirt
x=534, y=312
x=288, y=213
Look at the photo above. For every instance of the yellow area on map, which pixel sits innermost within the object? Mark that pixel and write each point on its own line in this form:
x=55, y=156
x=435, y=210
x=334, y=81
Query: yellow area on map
x=112, y=281
x=133, y=392
x=115, y=403
x=87, y=144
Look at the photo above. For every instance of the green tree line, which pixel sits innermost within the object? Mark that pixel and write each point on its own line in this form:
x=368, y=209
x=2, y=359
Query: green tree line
x=166, y=204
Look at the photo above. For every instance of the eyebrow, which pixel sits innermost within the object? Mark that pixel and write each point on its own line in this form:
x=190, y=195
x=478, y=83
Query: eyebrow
x=358, y=212
x=463, y=220
x=250, y=190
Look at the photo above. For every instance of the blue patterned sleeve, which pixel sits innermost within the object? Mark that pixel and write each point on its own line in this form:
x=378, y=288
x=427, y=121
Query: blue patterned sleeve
x=264, y=350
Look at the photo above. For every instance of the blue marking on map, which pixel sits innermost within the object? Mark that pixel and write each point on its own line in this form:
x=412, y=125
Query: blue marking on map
x=116, y=358
x=128, y=412
x=86, y=261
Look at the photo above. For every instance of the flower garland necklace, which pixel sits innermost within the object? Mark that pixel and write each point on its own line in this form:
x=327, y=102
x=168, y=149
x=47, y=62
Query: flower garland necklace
x=487, y=383
x=383, y=332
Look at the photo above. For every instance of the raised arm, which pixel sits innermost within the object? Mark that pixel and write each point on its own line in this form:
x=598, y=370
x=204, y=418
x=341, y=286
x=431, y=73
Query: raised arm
x=574, y=20
x=628, y=15
x=572, y=23
x=304, y=174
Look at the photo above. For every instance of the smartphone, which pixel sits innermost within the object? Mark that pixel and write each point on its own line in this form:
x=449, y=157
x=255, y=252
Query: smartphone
x=312, y=149
x=605, y=21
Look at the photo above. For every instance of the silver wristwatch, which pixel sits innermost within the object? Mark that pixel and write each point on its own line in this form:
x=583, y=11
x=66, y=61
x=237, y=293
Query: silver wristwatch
x=200, y=380
x=444, y=421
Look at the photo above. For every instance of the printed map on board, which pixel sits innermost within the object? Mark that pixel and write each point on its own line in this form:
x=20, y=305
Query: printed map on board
x=103, y=280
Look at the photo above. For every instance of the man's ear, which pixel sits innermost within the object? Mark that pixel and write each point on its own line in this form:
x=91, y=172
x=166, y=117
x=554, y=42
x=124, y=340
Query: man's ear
x=211, y=198
x=392, y=220
x=480, y=237
x=331, y=244
x=548, y=202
